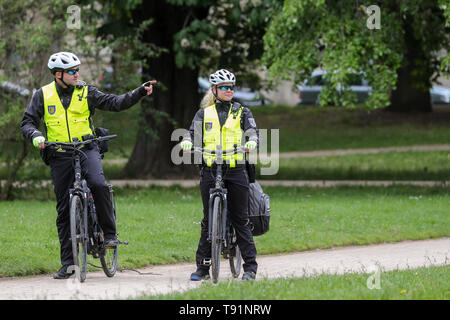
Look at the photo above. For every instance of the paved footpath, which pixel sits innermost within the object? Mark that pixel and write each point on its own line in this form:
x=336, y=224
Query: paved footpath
x=286, y=183
x=163, y=279
x=334, y=152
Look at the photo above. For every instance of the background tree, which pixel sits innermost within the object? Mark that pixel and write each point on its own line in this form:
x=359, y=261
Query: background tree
x=192, y=37
x=29, y=31
x=400, y=60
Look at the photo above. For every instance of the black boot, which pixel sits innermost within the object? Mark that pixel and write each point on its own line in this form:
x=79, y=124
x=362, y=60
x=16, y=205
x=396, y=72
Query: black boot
x=200, y=274
x=62, y=273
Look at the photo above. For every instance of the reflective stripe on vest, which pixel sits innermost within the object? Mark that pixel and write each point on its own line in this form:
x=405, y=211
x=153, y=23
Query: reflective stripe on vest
x=64, y=125
x=227, y=136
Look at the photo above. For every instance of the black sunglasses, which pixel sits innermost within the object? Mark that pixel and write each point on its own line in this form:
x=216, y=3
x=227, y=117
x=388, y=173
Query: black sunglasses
x=225, y=88
x=72, y=72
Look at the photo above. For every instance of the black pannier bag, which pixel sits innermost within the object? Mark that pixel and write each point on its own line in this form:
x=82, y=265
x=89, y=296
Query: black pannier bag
x=102, y=145
x=258, y=209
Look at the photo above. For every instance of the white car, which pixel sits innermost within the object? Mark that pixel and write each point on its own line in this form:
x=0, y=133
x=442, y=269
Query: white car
x=308, y=91
x=440, y=95
x=14, y=88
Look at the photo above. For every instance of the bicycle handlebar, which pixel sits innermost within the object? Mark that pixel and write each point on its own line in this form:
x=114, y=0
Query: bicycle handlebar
x=225, y=152
x=76, y=144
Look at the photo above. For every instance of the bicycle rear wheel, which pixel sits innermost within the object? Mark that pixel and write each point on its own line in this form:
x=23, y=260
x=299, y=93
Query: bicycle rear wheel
x=216, y=239
x=78, y=237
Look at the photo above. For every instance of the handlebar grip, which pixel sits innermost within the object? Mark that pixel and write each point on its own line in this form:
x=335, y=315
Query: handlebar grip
x=112, y=136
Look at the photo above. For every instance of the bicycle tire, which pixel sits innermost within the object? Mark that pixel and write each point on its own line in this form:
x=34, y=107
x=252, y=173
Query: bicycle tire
x=216, y=239
x=108, y=257
x=108, y=260
x=77, y=235
x=235, y=265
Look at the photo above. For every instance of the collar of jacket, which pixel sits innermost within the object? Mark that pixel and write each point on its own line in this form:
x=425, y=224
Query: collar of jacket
x=223, y=105
x=64, y=91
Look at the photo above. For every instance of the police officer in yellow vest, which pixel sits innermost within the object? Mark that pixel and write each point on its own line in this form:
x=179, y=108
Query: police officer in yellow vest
x=225, y=122
x=67, y=106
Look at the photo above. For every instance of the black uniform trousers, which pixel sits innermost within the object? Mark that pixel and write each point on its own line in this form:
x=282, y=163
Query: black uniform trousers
x=62, y=172
x=236, y=183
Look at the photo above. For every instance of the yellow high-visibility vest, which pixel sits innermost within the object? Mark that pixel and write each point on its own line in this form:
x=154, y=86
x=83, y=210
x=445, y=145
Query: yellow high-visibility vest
x=227, y=136
x=64, y=125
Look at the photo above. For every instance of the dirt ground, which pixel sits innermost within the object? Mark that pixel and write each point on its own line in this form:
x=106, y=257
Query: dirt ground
x=162, y=279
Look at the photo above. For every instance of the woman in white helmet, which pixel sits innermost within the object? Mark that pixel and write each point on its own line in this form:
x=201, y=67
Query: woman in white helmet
x=221, y=76
x=220, y=116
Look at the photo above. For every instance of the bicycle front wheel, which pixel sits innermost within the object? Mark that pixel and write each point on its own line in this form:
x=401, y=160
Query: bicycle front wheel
x=216, y=239
x=235, y=257
x=108, y=258
x=78, y=237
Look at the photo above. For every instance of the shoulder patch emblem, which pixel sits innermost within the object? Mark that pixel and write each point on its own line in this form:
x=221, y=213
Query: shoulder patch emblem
x=252, y=122
x=208, y=126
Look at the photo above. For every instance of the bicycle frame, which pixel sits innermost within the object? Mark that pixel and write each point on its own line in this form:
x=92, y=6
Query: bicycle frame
x=218, y=191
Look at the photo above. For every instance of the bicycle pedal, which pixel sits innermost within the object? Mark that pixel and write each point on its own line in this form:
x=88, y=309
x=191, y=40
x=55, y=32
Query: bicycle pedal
x=206, y=262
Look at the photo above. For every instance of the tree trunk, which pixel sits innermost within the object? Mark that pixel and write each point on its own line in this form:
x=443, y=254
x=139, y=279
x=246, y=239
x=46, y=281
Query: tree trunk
x=173, y=104
x=412, y=93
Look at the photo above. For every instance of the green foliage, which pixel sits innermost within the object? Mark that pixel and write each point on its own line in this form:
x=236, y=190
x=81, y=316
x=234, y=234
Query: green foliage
x=445, y=66
x=28, y=32
x=188, y=43
x=230, y=37
x=311, y=34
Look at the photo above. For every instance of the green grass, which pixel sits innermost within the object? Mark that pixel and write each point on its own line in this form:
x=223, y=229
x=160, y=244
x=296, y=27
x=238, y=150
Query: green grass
x=411, y=165
x=313, y=128
x=421, y=284
x=163, y=224
x=309, y=129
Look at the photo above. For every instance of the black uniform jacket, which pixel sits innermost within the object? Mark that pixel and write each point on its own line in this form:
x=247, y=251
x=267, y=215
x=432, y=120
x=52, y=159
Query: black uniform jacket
x=96, y=100
x=248, y=123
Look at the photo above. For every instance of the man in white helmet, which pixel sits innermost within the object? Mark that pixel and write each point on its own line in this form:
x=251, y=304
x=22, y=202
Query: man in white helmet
x=66, y=105
x=226, y=122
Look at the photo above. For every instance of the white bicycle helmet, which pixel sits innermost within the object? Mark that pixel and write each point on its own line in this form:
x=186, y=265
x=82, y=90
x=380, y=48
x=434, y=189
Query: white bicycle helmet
x=63, y=61
x=222, y=76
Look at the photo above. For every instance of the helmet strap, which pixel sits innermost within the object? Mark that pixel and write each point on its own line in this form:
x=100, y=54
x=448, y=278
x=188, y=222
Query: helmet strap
x=215, y=94
x=62, y=75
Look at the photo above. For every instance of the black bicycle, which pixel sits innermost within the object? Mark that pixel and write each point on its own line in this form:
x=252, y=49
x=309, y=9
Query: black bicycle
x=85, y=232
x=221, y=233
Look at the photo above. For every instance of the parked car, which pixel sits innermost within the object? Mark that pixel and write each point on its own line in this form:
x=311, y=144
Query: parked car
x=440, y=95
x=244, y=96
x=11, y=87
x=309, y=90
